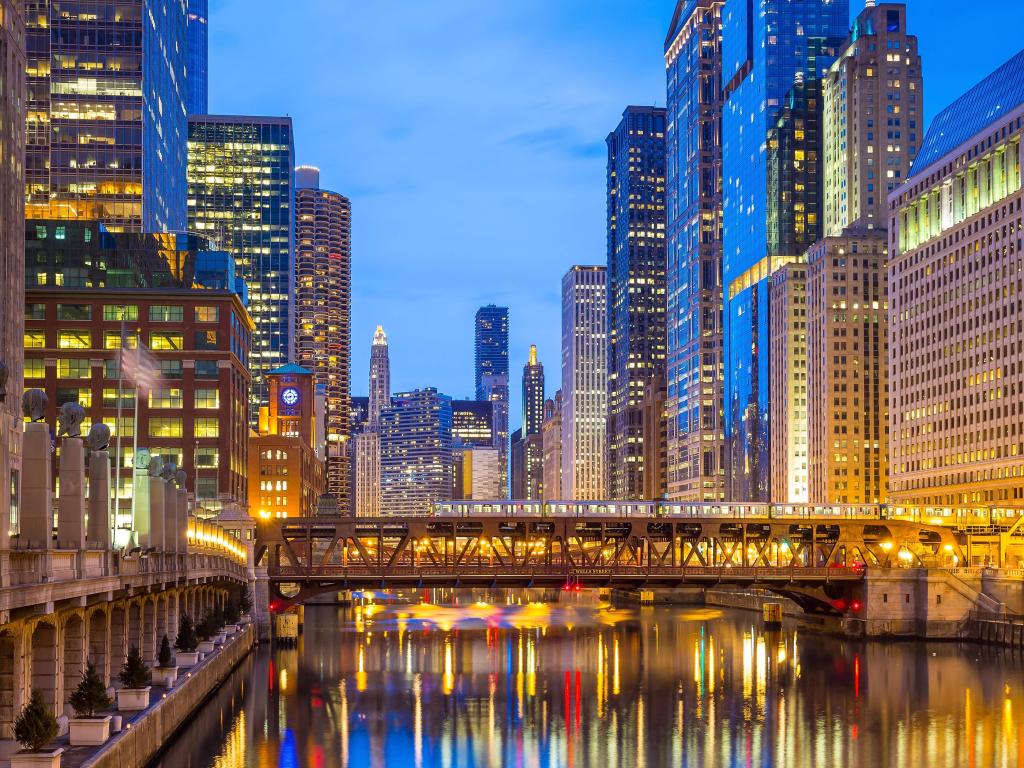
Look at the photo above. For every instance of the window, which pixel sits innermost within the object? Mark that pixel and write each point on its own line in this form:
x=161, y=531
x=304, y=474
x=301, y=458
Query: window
x=34, y=369
x=168, y=454
x=126, y=427
x=116, y=312
x=80, y=395
x=74, y=312
x=207, y=427
x=164, y=397
x=35, y=339
x=160, y=313
x=206, y=487
x=207, y=458
x=73, y=368
x=207, y=314
x=170, y=369
x=206, y=339
x=165, y=427
x=112, y=340
x=207, y=398
x=206, y=369
x=112, y=369
x=74, y=340
x=35, y=311
x=110, y=398
x=166, y=340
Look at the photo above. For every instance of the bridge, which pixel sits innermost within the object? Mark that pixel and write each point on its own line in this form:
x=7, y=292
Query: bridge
x=815, y=560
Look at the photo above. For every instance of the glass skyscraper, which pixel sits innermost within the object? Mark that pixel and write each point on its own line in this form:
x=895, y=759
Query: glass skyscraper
x=636, y=288
x=766, y=51
x=416, y=452
x=241, y=194
x=197, y=54
x=490, y=345
x=106, y=113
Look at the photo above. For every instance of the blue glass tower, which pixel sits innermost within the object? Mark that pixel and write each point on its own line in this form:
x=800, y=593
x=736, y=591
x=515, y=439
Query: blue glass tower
x=415, y=452
x=490, y=345
x=767, y=49
x=196, y=56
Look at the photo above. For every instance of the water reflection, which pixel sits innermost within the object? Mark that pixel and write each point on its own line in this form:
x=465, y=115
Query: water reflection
x=563, y=685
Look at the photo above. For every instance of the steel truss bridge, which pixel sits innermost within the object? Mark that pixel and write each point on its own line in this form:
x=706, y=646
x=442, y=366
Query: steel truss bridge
x=816, y=561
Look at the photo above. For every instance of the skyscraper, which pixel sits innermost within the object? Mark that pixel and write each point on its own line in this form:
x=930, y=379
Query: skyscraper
x=584, y=383
x=12, y=255
x=787, y=414
x=416, y=452
x=532, y=424
x=770, y=53
x=495, y=391
x=323, y=302
x=196, y=59
x=366, y=450
x=241, y=194
x=636, y=288
x=490, y=345
x=380, y=376
x=473, y=423
x=695, y=451
x=106, y=113
x=551, y=447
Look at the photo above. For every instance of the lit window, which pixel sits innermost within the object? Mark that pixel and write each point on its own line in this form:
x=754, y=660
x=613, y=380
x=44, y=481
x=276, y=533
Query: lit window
x=34, y=369
x=116, y=312
x=74, y=312
x=207, y=427
x=207, y=314
x=35, y=339
x=74, y=340
x=165, y=427
x=207, y=398
x=73, y=368
x=112, y=340
x=159, y=313
x=166, y=340
x=165, y=398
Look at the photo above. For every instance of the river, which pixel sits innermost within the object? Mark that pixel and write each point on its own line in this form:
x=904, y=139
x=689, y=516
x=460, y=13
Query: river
x=563, y=684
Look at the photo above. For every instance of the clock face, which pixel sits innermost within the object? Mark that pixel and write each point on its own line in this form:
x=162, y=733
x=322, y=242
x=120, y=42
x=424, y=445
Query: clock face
x=290, y=396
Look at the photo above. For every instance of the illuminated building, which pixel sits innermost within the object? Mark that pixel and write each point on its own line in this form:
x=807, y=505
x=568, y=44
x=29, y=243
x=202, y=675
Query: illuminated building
x=197, y=58
x=772, y=56
x=695, y=448
x=495, y=391
x=416, y=452
x=787, y=416
x=491, y=374
x=872, y=102
x=380, y=378
x=365, y=456
x=584, y=383
x=86, y=286
x=323, y=302
x=956, y=416
x=286, y=456
x=106, y=113
x=533, y=422
x=12, y=252
x=473, y=422
x=240, y=194
x=517, y=462
x=551, y=448
x=477, y=474
x=636, y=288
x=653, y=413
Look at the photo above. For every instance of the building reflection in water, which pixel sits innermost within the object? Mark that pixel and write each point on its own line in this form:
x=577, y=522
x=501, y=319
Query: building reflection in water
x=562, y=685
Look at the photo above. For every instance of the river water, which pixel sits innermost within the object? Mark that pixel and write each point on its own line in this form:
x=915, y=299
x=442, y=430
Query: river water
x=563, y=684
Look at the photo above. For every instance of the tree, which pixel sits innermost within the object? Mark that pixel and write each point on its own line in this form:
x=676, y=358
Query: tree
x=35, y=726
x=217, y=619
x=205, y=628
x=91, y=694
x=245, y=601
x=231, y=612
x=135, y=673
x=164, y=657
x=186, y=641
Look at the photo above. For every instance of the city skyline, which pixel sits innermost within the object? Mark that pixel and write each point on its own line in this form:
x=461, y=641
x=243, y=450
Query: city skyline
x=561, y=148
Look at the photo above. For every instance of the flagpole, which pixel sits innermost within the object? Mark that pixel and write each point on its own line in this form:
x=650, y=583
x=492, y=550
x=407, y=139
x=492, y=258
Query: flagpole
x=118, y=426
x=135, y=426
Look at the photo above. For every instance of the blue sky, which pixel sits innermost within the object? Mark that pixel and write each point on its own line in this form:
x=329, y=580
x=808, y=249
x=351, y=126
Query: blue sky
x=469, y=136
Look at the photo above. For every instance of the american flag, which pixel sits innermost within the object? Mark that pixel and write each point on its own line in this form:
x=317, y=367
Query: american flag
x=139, y=366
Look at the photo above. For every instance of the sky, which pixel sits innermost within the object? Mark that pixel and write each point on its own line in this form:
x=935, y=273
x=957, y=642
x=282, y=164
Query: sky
x=470, y=138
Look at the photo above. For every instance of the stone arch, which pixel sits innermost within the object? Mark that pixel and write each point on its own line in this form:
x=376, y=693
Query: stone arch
x=134, y=625
x=162, y=624
x=8, y=704
x=173, y=603
x=98, y=629
x=74, y=654
x=147, y=638
x=43, y=663
x=118, y=638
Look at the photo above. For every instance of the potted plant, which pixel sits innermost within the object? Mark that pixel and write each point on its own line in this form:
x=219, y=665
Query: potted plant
x=205, y=630
x=167, y=670
x=34, y=728
x=217, y=622
x=87, y=728
x=135, y=679
x=186, y=642
x=231, y=617
x=245, y=605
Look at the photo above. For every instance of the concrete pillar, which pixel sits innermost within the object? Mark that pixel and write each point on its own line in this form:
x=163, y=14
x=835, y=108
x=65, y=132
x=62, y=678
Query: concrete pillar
x=71, y=510
x=154, y=515
x=118, y=638
x=43, y=677
x=74, y=656
x=148, y=640
x=141, y=491
x=36, y=488
x=172, y=512
x=98, y=628
x=98, y=533
x=182, y=521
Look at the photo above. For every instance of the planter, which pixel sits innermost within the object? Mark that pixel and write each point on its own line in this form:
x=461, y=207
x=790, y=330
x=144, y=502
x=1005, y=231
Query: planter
x=90, y=731
x=44, y=759
x=231, y=629
x=219, y=638
x=245, y=619
x=205, y=646
x=166, y=675
x=132, y=699
x=186, y=658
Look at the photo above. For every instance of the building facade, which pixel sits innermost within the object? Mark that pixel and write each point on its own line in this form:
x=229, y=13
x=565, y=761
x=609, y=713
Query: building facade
x=768, y=52
x=416, y=466
x=323, y=309
x=584, y=383
x=532, y=424
x=956, y=415
x=695, y=450
x=477, y=473
x=365, y=418
x=12, y=253
x=380, y=378
x=496, y=392
x=551, y=448
x=197, y=53
x=241, y=194
x=106, y=113
x=490, y=345
x=636, y=288
x=787, y=304
x=286, y=456
x=473, y=422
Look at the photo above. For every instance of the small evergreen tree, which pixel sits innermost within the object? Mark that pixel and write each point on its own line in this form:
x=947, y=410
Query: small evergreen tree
x=218, y=620
x=164, y=657
x=245, y=601
x=91, y=694
x=35, y=726
x=186, y=640
x=135, y=673
x=205, y=628
x=231, y=612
